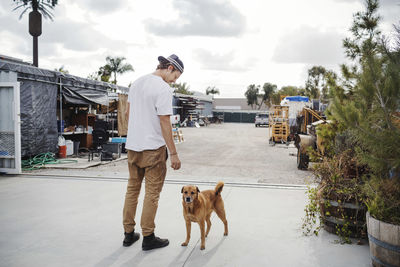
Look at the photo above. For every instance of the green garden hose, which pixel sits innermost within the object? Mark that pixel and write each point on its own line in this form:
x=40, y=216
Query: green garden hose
x=40, y=160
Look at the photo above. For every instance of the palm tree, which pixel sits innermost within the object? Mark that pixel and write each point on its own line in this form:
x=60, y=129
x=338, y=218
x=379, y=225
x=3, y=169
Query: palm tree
x=38, y=7
x=212, y=91
x=116, y=66
x=252, y=95
x=181, y=88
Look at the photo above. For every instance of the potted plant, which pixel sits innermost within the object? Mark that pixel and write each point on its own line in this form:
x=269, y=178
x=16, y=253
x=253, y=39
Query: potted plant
x=336, y=204
x=370, y=109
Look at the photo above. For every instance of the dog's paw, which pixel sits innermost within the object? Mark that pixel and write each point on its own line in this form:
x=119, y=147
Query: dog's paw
x=225, y=234
x=202, y=247
x=184, y=244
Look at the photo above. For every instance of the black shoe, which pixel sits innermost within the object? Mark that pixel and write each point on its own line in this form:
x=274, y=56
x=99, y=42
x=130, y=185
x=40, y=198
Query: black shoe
x=130, y=238
x=152, y=242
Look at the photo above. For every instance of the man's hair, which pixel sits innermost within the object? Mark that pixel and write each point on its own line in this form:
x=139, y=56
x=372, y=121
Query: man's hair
x=164, y=65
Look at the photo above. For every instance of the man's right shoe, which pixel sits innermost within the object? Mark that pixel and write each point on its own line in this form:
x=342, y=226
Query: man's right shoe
x=152, y=242
x=130, y=238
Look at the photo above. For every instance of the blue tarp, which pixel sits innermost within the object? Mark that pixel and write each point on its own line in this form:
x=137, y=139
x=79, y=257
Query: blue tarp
x=297, y=98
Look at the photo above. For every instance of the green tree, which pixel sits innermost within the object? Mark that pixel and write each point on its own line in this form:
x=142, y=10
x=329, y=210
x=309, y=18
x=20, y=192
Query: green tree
x=318, y=82
x=269, y=90
x=62, y=69
x=181, y=88
x=251, y=94
x=38, y=7
x=288, y=90
x=315, y=81
x=115, y=65
x=371, y=111
x=212, y=90
x=365, y=30
x=104, y=73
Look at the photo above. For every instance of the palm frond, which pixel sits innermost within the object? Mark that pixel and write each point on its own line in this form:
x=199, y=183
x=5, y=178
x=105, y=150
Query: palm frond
x=48, y=5
x=43, y=6
x=47, y=14
x=23, y=12
x=18, y=7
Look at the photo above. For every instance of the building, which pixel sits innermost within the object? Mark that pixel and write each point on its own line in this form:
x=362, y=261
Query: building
x=35, y=104
x=235, y=104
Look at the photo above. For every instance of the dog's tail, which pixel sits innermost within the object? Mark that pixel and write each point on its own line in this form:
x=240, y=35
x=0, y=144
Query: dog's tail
x=218, y=188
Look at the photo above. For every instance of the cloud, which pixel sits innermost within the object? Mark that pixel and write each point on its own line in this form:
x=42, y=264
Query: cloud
x=15, y=39
x=221, y=62
x=388, y=9
x=78, y=36
x=310, y=46
x=63, y=32
x=102, y=6
x=348, y=1
x=201, y=18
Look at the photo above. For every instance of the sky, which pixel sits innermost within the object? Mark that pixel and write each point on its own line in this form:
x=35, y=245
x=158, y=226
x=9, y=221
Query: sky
x=228, y=44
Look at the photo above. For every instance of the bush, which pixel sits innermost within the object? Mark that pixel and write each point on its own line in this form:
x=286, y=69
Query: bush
x=383, y=199
x=339, y=181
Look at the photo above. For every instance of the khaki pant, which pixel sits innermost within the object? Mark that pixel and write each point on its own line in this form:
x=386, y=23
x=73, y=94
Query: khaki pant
x=150, y=164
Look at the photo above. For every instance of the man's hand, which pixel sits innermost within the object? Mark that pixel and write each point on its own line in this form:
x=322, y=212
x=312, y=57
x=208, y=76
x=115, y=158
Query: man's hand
x=166, y=130
x=175, y=162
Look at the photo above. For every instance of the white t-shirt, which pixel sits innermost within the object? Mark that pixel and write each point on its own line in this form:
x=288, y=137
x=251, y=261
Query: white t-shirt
x=149, y=96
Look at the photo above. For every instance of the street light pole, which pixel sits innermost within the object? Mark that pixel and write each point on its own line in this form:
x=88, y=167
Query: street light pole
x=35, y=29
x=35, y=52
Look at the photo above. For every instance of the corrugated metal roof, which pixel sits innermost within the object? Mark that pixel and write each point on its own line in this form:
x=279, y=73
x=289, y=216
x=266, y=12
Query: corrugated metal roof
x=32, y=72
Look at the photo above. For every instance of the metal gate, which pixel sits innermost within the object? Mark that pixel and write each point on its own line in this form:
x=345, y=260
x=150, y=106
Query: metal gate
x=242, y=117
x=10, y=133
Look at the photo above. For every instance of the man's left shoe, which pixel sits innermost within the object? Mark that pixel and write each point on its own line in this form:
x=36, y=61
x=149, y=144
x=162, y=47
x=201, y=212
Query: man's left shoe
x=130, y=238
x=151, y=242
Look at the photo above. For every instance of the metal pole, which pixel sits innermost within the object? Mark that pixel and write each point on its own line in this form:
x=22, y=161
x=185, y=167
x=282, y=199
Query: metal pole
x=35, y=52
x=61, y=128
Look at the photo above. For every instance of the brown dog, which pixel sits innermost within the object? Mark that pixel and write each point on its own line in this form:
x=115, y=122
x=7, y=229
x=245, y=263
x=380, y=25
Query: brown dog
x=198, y=206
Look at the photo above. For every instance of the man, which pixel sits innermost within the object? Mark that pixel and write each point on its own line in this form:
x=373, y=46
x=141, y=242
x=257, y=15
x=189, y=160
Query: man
x=149, y=136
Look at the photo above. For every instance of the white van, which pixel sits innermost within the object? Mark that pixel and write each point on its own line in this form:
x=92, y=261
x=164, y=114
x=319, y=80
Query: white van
x=261, y=119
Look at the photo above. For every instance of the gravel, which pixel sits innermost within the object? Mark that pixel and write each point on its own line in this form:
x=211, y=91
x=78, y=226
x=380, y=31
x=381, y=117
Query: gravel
x=231, y=152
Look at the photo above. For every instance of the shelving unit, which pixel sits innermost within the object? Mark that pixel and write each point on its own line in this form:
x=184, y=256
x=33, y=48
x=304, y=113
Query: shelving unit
x=85, y=137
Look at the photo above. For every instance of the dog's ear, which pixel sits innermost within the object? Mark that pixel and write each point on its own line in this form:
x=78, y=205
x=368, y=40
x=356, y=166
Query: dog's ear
x=198, y=190
x=182, y=189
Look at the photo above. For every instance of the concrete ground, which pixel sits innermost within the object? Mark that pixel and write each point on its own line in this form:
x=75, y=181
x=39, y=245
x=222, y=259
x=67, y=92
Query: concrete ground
x=64, y=221
x=73, y=217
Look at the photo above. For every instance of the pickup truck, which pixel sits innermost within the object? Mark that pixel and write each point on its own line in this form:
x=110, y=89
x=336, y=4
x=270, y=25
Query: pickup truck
x=261, y=119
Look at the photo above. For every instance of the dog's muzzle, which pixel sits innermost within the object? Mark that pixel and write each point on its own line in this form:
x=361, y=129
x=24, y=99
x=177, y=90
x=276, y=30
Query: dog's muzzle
x=188, y=200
